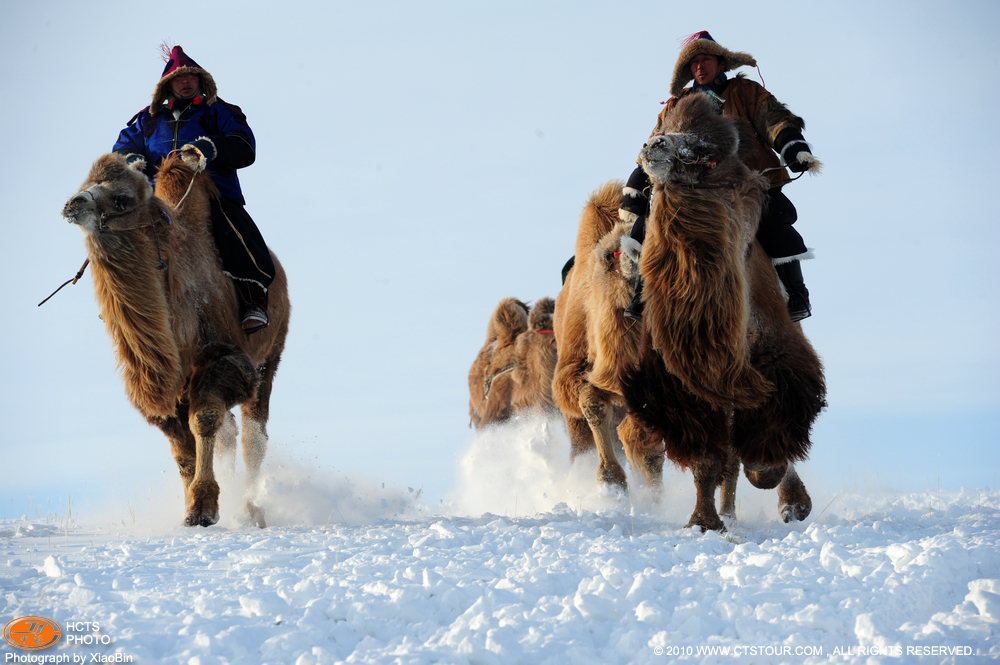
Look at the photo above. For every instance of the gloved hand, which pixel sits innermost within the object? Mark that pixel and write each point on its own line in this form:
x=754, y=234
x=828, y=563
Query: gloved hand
x=136, y=161
x=791, y=156
x=198, y=153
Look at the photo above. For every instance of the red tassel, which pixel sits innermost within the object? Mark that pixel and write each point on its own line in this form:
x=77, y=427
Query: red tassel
x=165, y=50
x=688, y=40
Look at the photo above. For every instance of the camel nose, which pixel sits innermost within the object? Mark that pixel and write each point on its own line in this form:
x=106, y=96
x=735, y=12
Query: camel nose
x=77, y=205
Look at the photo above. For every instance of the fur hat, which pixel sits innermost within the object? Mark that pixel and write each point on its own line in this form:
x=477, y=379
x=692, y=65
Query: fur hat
x=702, y=43
x=178, y=64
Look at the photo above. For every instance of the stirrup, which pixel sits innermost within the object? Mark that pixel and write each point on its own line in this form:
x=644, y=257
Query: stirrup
x=254, y=319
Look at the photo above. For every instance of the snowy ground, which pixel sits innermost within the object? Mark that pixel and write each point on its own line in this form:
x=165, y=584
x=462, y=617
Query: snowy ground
x=527, y=563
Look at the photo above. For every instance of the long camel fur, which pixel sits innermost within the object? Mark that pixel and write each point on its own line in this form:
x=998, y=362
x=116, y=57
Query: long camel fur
x=491, y=380
x=183, y=356
x=512, y=373
x=716, y=373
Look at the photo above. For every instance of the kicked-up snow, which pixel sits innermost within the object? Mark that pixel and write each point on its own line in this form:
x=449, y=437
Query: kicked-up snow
x=529, y=562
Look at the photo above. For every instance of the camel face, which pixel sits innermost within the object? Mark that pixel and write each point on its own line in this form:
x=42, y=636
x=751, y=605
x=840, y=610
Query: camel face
x=614, y=272
x=696, y=141
x=114, y=197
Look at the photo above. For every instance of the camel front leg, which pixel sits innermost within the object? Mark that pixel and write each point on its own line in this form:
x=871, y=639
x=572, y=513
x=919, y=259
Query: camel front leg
x=597, y=410
x=794, y=502
x=581, y=438
x=644, y=449
x=202, y=498
x=182, y=444
x=707, y=472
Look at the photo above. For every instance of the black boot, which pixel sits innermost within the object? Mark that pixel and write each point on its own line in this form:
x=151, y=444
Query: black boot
x=634, y=309
x=790, y=275
x=253, y=306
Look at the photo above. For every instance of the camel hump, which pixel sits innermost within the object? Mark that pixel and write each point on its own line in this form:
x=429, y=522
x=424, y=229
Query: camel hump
x=608, y=198
x=600, y=215
x=509, y=320
x=173, y=177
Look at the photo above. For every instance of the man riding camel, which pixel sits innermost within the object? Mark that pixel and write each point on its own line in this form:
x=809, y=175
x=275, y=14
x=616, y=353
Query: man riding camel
x=188, y=118
x=775, y=131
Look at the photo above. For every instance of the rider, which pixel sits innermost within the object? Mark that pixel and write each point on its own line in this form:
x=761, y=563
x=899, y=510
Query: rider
x=187, y=117
x=775, y=130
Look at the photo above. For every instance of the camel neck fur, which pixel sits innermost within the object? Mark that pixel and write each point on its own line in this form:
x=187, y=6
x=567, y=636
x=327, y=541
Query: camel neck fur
x=130, y=293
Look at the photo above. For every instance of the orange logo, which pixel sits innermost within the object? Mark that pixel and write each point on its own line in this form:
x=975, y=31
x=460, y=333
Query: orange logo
x=32, y=632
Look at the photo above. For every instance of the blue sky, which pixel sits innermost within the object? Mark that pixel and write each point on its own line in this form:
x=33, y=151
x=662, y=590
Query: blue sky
x=418, y=162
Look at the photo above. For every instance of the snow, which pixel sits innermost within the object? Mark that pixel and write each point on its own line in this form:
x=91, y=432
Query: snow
x=528, y=562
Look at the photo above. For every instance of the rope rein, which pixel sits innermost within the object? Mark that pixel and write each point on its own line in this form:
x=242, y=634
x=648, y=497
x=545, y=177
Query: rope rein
x=75, y=279
x=160, y=264
x=728, y=185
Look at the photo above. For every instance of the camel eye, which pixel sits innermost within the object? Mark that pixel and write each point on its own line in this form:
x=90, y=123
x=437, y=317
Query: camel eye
x=120, y=201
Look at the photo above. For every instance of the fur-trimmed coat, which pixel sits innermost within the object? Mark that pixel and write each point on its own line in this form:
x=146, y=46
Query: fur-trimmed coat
x=155, y=135
x=772, y=125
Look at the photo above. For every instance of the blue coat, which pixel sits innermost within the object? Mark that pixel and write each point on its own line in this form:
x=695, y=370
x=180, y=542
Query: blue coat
x=155, y=136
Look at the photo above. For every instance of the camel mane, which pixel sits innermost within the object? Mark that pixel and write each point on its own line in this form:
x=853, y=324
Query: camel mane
x=130, y=294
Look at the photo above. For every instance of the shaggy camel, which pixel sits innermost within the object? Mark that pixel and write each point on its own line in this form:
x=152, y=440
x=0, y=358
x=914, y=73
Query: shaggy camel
x=172, y=315
x=717, y=373
x=512, y=373
x=535, y=351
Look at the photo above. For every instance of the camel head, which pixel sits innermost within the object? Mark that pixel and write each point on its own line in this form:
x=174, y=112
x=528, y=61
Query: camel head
x=540, y=317
x=695, y=141
x=614, y=270
x=115, y=197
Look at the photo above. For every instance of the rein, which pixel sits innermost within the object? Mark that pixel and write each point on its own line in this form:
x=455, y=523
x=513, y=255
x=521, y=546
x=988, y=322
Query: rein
x=102, y=225
x=75, y=279
x=728, y=185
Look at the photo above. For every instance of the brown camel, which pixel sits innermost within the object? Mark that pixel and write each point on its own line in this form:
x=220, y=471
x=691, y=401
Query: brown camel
x=535, y=350
x=172, y=315
x=717, y=368
x=512, y=373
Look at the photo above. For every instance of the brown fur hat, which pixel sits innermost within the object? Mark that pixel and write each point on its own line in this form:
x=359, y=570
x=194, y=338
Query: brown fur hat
x=702, y=43
x=178, y=64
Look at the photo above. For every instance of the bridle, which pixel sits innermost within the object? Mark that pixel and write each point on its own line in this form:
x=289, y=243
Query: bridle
x=102, y=225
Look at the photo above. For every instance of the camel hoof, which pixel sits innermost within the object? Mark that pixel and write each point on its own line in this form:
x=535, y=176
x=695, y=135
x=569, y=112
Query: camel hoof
x=795, y=512
x=255, y=516
x=202, y=503
x=615, y=477
x=706, y=523
x=764, y=477
x=197, y=519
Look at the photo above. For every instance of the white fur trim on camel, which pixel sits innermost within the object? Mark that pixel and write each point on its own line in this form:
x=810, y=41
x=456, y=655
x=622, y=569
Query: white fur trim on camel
x=631, y=191
x=632, y=248
x=805, y=256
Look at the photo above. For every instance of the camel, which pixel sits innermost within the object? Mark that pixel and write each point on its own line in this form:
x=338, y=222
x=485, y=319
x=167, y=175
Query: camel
x=512, y=373
x=717, y=373
x=172, y=316
x=535, y=351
